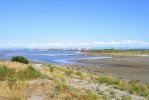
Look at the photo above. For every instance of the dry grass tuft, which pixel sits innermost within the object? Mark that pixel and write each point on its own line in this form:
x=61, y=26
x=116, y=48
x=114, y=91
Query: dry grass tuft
x=22, y=90
x=14, y=65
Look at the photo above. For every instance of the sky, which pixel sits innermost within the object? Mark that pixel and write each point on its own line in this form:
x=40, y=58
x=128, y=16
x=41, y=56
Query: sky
x=74, y=23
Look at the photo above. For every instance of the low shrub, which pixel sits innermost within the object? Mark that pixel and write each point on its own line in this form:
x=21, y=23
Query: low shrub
x=20, y=59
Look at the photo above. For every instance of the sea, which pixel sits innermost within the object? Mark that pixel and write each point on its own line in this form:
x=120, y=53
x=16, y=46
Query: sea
x=51, y=56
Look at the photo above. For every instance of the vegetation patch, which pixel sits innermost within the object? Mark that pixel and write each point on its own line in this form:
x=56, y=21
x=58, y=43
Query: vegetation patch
x=108, y=80
x=6, y=72
x=132, y=87
x=78, y=73
x=61, y=87
x=117, y=52
x=20, y=59
x=88, y=95
x=63, y=83
x=69, y=72
x=51, y=68
x=29, y=73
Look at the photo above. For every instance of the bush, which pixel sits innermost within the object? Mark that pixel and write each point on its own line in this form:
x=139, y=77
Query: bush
x=20, y=59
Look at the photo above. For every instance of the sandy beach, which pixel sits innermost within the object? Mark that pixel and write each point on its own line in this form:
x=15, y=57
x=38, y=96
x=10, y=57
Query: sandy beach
x=125, y=67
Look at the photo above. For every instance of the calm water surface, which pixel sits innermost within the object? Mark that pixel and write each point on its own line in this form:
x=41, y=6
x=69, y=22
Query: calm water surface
x=52, y=56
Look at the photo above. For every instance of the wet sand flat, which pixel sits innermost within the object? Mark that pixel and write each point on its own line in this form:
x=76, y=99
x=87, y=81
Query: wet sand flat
x=126, y=67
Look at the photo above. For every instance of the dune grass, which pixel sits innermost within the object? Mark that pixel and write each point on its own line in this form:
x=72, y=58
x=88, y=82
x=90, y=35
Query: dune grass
x=14, y=65
x=132, y=86
x=29, y=73
x=117, y=52
x=108, y=80
x=6, y=72
x=52, y=82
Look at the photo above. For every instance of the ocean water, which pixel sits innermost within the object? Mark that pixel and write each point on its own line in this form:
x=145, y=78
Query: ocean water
x=52, y=56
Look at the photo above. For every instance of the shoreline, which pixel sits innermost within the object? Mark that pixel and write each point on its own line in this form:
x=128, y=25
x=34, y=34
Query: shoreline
x=125, y=67
x=42, y=77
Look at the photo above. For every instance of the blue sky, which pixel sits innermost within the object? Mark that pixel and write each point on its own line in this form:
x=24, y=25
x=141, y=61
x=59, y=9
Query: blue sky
x=38, y=22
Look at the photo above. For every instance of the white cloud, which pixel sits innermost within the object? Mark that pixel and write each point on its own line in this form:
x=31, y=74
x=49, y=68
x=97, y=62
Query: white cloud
x=76, y=44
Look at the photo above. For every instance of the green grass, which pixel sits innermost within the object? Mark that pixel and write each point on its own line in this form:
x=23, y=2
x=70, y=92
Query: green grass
x=135, y=88
x=78, y=73
x=6, y=72
x=69, y=72
x=108, y=80
x=132, y=87
x=29, y=73
x=11, y=76
x=126, y=98
x=51, y=68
